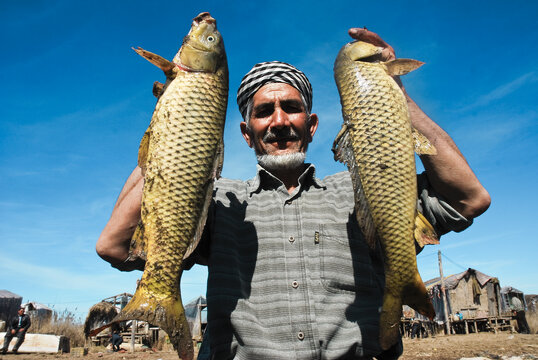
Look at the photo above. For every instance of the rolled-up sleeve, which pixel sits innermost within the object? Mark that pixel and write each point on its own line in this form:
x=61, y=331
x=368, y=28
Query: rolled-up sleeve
x=440, y=214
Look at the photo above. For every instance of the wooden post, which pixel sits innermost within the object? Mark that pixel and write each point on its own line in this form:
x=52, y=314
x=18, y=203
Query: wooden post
x=133, y=332
x=443, y=291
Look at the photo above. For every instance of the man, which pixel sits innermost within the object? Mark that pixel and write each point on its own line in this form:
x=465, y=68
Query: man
x=116, y=340
x=16, y=327
x=519, y=312
x=290, y=275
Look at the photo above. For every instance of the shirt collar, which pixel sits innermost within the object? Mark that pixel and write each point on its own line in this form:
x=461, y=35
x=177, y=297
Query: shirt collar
x=265, y=180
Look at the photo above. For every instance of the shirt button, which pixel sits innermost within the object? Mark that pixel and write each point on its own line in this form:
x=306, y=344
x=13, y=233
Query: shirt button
x=300, y=335
x=292, y=239
x=295, y=284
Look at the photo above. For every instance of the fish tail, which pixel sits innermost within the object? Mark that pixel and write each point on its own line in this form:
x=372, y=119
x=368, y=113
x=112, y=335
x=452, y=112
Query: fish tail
x=416, y=296
x=389, y=321
x=164, y=312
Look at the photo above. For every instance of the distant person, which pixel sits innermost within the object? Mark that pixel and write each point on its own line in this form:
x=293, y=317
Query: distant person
x=519, y=312
x=16, y=327
x=416, y=328
x=116, y=341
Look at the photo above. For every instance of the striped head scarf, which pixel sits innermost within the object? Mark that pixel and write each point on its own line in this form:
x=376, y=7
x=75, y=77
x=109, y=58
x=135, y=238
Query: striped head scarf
x=272, y=72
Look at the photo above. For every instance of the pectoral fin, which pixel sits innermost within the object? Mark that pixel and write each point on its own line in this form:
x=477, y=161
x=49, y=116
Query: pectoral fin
x=143, y=150
x=424, y=232
x=158, y=89
x=423, y=146
x=169, y=68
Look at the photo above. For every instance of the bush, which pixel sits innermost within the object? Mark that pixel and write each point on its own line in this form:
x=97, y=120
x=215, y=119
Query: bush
x=64, y=323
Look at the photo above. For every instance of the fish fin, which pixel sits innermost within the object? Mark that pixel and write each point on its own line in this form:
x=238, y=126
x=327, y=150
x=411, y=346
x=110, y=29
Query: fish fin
x=143, y=150
x=424, y=231
x=138, y=247
x=401, y=66
x=165, y=312
x=423, y=146
x=168, y=67
x=158, y=89
x=219, y=160
x=389, y=320
x=343, y=152
x=416, y=296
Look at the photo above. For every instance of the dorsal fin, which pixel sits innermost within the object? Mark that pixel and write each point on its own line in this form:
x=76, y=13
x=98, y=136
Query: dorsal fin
x=401, y=66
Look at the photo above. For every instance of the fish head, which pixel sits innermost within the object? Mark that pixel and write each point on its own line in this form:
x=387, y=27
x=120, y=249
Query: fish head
x=361, y=51
x=203, y=47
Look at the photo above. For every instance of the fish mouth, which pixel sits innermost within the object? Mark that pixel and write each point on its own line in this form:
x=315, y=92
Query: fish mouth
x=205, y=16
x=363, y=51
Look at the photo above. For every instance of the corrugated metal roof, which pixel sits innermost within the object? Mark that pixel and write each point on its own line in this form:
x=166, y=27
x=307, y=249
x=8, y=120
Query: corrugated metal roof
x=509, y=289
x=453, y=280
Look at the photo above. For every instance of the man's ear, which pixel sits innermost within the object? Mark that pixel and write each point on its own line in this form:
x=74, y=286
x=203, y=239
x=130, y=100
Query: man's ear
x=313, y=125
x=246, y=133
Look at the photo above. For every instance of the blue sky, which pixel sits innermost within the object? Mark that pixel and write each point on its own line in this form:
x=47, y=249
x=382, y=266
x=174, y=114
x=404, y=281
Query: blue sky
x=76, y=100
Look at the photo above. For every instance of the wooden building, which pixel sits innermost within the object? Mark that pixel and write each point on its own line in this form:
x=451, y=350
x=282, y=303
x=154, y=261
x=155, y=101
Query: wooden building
x=474, y=302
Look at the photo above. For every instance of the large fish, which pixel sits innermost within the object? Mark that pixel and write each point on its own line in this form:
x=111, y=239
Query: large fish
x=180, y=155
x=377, y=144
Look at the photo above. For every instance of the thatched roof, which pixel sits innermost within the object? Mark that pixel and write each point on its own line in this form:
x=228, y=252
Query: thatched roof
x=99, y=316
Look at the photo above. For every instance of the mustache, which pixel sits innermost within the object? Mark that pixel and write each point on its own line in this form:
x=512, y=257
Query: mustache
x=286, y=133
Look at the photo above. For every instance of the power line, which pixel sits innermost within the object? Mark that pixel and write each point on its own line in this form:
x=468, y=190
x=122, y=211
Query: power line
x=453, y=262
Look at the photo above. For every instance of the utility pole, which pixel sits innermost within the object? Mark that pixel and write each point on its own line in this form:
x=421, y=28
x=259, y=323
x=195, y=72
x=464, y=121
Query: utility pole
x=443, y=291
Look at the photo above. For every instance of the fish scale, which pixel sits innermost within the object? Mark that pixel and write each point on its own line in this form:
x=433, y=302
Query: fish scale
x=376, y=142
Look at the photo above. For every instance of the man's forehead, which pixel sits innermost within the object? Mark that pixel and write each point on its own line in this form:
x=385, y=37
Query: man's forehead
x=276, y=91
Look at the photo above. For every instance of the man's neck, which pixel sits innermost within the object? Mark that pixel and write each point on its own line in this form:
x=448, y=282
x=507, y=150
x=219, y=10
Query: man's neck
x=289, y=177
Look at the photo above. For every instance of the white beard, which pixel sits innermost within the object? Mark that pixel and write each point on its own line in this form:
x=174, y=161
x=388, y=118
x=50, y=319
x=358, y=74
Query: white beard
x=282, y=162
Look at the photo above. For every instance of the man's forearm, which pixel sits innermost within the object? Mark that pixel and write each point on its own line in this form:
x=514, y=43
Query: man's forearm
x=113, y=244
x=448, y=171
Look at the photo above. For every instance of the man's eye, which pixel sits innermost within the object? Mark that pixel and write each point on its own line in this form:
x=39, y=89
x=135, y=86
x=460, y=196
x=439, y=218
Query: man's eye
x=261, y=113
x=291, y=109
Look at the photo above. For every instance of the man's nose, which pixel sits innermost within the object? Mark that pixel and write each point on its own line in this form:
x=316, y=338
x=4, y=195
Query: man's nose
x=280, y=118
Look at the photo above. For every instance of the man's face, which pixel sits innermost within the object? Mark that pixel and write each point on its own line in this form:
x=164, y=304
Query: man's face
x=21, y=312
x=279, y=122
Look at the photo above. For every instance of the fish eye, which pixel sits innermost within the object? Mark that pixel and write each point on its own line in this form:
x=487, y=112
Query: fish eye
x=210, y=38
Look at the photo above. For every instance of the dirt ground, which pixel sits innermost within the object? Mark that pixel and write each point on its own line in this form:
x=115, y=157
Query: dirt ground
x=484, y=345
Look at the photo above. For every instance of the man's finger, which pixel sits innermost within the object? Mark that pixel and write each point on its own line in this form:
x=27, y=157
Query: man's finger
x=366, y=35
x=371, y=37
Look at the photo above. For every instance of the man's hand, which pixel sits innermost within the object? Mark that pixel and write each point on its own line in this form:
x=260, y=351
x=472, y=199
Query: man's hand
x=13, y=331
x=365, y=35
x=387, y=51
x=21, y=330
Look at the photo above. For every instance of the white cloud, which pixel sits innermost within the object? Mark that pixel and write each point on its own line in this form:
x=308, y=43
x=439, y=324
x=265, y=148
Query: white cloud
x=501, y=91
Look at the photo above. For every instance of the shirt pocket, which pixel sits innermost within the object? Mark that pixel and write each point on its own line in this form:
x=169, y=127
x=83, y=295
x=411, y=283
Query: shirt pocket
x=344, y=259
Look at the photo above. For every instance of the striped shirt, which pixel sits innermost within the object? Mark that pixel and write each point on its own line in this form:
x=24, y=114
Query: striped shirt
x=290, y=275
